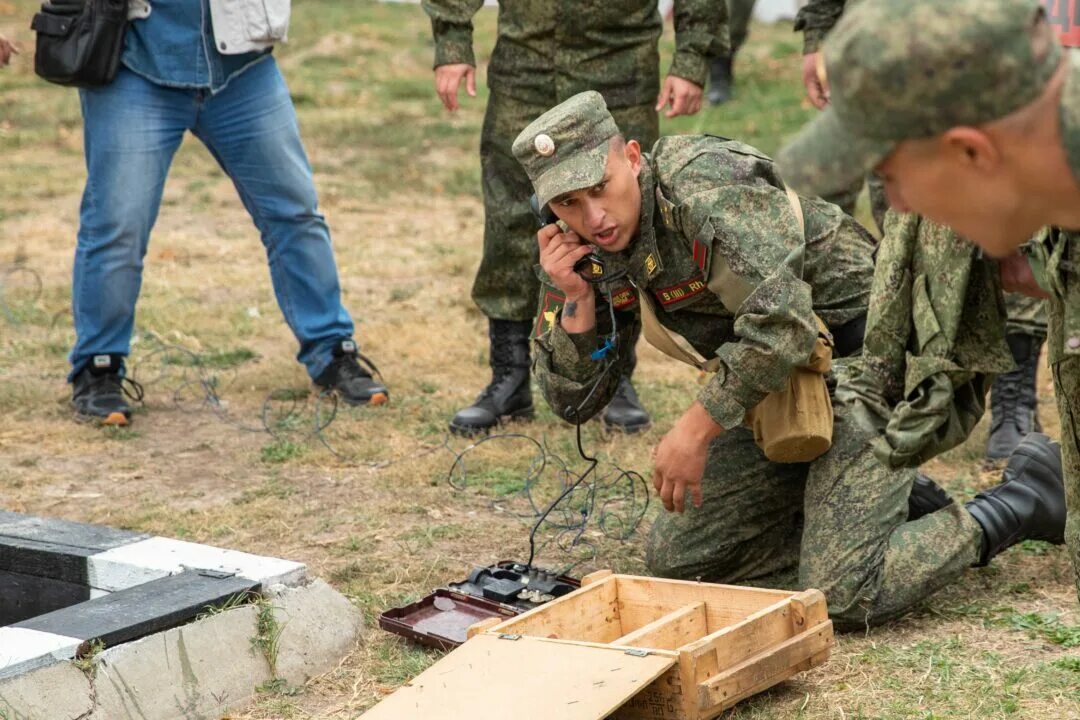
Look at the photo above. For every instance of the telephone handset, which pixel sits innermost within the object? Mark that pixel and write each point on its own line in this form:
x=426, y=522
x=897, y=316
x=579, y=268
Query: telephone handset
x=590, y=267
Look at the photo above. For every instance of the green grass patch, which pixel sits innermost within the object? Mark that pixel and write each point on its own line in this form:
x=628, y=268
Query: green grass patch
x=281, y=451
x=1047, y=626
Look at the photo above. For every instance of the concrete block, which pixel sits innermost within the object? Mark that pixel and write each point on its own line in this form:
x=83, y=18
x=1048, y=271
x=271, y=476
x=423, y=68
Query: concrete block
x=195, y=672
x=319, y=626
x=56, y=692
x=22, y=650
x=157, y=557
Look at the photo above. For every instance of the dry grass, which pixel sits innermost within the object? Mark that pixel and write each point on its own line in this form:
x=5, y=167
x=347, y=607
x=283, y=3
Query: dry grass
x=398, y=181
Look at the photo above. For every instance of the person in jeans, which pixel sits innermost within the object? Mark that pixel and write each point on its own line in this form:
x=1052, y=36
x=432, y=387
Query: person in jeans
x=203, y=66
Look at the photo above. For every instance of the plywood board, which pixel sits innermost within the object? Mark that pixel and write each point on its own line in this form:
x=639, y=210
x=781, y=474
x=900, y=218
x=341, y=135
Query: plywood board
x=491, y=678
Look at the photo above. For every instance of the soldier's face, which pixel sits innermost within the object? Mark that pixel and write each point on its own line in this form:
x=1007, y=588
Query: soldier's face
x=958, y=181
x=607, y=214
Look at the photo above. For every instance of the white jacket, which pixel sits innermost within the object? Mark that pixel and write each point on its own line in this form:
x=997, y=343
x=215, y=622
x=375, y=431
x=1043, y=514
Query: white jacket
x=240, y=26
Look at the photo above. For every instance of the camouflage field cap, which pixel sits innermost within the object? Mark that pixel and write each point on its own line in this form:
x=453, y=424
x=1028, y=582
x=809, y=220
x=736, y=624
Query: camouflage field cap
x=566, y=148
x=908, y=69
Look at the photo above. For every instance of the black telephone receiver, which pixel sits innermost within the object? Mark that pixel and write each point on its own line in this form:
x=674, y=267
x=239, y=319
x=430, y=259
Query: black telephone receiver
x=590, y=267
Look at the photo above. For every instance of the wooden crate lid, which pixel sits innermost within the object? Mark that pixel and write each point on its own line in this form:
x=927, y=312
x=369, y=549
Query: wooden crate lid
x=492, y=678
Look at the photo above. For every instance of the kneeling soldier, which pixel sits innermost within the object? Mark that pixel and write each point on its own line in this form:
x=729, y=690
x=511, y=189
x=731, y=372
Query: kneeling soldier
x=702, y=247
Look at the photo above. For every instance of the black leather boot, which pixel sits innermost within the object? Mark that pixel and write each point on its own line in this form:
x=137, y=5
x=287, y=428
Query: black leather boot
x=720, y=80
x=926, y=497
x=625, y=412
x=508, y=395
x=1014, y=398
x=1028, y=505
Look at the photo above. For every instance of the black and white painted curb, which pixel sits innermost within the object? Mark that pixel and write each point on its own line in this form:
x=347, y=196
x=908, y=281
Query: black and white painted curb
x=88, y=582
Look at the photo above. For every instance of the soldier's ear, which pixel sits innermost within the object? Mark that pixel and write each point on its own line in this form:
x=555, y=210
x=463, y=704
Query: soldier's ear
x=971, y=147
x=632, y=149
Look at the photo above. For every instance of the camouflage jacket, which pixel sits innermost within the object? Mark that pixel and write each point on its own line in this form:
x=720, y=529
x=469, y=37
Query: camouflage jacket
x=707, y=201
x=549, y=50
x=1058, y=251
x=935, y=339
x=815, y=20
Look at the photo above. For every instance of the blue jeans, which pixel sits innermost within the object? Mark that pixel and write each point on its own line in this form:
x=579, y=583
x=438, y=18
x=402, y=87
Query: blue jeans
x=132, y=130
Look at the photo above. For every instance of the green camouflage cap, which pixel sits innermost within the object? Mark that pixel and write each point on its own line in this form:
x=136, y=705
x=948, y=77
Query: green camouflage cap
x=907, y=69
x=566, y=148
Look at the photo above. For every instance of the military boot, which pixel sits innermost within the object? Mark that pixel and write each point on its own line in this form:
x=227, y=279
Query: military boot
x=625, y=412
x=1028, y=505
x=721, y=80
x=508, y=395
x=926, y=497
x=1013, y=398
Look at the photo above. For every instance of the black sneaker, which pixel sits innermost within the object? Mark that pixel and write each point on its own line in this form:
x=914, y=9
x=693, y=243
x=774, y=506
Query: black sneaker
x=352, y=381
x=100, y=389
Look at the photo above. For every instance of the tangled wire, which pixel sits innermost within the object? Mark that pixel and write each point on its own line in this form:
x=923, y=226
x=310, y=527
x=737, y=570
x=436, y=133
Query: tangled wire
x=559, y=504
x=567, y=511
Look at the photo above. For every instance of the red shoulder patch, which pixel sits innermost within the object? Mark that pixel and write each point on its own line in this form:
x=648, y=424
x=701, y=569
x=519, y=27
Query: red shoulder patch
x=549, y=310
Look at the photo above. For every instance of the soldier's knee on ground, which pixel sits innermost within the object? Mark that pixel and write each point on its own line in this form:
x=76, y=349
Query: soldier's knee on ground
x=847, y=594
x=674, y=552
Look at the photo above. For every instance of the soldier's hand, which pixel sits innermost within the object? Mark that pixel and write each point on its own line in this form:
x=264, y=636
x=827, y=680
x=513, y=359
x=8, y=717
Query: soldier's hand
x=559, y=252
x=1017, y=276
x=448, y=81
x=683, y=96
x=813, y=78
x=7, y=49
x=679, y=458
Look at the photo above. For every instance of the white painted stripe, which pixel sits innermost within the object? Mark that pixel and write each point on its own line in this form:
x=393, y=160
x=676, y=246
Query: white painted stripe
x=22, y=650
x=158, y=557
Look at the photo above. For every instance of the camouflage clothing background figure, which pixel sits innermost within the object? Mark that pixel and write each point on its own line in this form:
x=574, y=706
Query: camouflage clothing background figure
x=814, y=20
x=1014, y=397
x=546, y=52
x=722, y=69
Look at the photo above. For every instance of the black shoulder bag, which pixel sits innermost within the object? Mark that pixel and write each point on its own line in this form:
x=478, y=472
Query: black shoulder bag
x=79, y=41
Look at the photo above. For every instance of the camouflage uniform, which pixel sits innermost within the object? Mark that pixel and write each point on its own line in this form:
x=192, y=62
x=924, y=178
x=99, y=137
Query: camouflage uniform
x=546, y=52
x=712, y=205
x=884, y=92
x=739, y=14
x=1061, y=261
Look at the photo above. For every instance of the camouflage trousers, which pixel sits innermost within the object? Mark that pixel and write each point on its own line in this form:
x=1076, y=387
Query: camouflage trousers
x=1066, y=372
x=506, y=286
x=1027, y=315
x=839, y=522
x=739, y=13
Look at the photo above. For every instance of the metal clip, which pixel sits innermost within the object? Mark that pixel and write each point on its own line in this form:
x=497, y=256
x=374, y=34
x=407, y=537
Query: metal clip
x=637, y=653
x=507, y=636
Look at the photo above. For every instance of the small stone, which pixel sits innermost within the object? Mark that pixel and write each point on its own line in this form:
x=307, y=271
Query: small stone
x=1074, y=343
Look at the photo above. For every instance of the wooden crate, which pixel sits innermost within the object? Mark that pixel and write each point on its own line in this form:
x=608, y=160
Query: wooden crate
x=725, y=643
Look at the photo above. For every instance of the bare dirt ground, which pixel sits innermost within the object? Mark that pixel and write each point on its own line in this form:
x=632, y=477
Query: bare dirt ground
x=377, y=516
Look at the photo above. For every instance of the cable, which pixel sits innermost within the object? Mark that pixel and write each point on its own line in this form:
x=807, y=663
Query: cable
x=614, y=501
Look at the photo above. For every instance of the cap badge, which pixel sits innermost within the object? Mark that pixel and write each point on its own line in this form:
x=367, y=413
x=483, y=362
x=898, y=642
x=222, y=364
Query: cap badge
x=544, y=145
